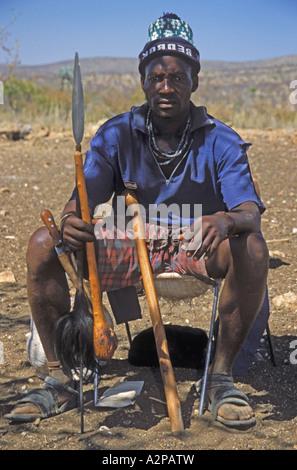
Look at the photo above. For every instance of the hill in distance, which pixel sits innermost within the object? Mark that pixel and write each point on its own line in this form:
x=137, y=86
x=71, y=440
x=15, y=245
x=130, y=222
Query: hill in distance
x=115, y=65
x=249, y=93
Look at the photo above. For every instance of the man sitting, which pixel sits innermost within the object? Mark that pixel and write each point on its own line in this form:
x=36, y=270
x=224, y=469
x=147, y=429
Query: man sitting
x=176, y=154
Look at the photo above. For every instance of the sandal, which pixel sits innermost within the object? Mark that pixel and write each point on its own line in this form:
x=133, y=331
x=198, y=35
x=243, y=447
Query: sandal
x=226, y=392
x=47, y=401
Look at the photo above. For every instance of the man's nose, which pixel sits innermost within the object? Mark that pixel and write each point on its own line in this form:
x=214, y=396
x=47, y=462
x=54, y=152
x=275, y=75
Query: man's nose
x=166, y=86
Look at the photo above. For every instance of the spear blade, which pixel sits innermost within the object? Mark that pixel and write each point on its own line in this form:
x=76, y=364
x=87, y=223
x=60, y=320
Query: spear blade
x=78, y=114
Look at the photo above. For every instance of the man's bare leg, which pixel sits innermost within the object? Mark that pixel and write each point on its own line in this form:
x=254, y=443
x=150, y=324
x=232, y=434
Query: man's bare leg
x=48, y=297
x=243, y=262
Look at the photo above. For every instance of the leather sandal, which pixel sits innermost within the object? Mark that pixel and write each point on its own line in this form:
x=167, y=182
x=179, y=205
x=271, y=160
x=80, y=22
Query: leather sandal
x=226, y=392
x=47, y=401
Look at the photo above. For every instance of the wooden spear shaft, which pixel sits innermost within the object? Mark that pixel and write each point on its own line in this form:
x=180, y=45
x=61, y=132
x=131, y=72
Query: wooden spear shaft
x=105, y=340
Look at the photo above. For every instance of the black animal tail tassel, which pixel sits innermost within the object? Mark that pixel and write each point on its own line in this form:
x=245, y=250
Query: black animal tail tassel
x=74, y=338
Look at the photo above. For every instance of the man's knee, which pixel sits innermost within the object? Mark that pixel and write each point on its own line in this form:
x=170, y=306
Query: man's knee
x=257, y=250
x=246, y=253
x=40, y=249
x=250, y=255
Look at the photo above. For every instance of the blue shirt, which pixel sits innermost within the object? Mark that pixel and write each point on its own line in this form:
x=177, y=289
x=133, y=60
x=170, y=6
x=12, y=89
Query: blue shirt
x=215, y=173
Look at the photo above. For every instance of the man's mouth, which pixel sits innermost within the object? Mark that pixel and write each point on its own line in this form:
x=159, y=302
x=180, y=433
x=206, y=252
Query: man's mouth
x=166, y=104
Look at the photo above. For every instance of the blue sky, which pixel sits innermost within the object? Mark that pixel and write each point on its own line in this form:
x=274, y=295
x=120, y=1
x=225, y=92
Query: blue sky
x=53, y=30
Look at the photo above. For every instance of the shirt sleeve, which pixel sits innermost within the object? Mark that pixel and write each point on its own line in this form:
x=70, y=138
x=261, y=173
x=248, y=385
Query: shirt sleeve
x=234, y=177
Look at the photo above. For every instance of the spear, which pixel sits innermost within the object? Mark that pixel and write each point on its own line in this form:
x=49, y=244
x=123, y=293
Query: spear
x=104, y=338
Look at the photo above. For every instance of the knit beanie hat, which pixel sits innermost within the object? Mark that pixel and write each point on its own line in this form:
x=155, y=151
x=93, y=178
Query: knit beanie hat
x=169, y=35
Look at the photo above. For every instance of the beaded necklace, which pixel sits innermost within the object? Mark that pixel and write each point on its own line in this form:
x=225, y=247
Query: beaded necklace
x=165, y=158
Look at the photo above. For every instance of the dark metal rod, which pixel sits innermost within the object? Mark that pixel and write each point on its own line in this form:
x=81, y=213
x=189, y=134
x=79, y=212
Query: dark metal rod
x=207, y=360
x=269, y=339
x=128, y=332
x=81, y=397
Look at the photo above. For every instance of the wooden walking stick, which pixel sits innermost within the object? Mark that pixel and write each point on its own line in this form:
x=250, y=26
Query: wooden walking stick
x=105, y=340
x=173, y=403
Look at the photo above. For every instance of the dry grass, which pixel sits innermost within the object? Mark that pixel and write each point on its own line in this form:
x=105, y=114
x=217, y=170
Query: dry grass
x=242, y=95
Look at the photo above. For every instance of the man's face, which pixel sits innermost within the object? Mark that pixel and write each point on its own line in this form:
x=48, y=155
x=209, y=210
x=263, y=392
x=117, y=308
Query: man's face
x=168, y=85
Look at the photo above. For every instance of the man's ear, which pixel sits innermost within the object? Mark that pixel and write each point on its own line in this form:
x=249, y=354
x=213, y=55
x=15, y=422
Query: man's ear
x=195, y=80
x=142, y=82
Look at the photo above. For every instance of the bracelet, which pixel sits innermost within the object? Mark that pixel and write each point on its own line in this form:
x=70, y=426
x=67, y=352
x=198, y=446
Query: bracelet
x=65, y=217
x=55, y=365
x=230, y=233
x=62, y=222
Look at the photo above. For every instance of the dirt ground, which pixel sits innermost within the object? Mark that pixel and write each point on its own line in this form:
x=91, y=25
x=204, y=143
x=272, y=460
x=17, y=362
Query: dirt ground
x=38, y=173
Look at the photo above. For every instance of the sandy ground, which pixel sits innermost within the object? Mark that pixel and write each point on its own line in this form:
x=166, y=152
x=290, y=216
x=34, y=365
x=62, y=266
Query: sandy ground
x=38, y=173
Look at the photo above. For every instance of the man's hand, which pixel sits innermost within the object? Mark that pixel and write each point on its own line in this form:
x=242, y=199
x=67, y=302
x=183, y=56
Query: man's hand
x=205, y=235
x=207, y=232
x=76, y=233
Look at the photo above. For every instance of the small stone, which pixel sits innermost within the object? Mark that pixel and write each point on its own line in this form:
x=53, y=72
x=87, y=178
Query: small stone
x=289, y=300
x=7, y=276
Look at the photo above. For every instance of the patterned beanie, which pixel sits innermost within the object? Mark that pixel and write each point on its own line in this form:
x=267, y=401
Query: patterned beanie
x=169, y=35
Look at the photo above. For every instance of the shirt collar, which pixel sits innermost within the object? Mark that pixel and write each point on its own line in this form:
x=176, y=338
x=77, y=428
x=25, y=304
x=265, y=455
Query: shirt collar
x=199, y=115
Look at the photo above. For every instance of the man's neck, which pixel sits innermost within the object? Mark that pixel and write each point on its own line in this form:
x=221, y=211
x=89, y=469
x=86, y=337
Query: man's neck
x=170, y=126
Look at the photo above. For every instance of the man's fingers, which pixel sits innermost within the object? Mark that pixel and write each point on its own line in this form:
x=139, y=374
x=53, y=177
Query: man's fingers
x=77, y=232
x=76, y=244
x=212, y=248
x=207, y=248
x=79, y=224
x=197, y=243
x=81, y=235
x=191, y=240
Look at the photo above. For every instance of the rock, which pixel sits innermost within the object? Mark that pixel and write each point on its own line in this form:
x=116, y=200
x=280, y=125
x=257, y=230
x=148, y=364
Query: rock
x=3, y=212
x=7, y=276
x=44, y=132
x=289, y=300
x=277, y=254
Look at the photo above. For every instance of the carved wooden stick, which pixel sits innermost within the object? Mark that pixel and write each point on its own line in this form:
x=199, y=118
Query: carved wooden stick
x=173, y=403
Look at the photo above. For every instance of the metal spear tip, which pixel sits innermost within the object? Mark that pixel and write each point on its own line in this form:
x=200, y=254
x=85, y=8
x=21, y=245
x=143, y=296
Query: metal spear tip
x=78, y=116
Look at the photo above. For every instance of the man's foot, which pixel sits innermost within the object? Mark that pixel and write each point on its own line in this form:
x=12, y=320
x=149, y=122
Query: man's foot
x=56, y=397
x=227, y=404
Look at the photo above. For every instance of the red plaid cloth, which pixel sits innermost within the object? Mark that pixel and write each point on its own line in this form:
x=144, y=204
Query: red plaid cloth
x=118, y=265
